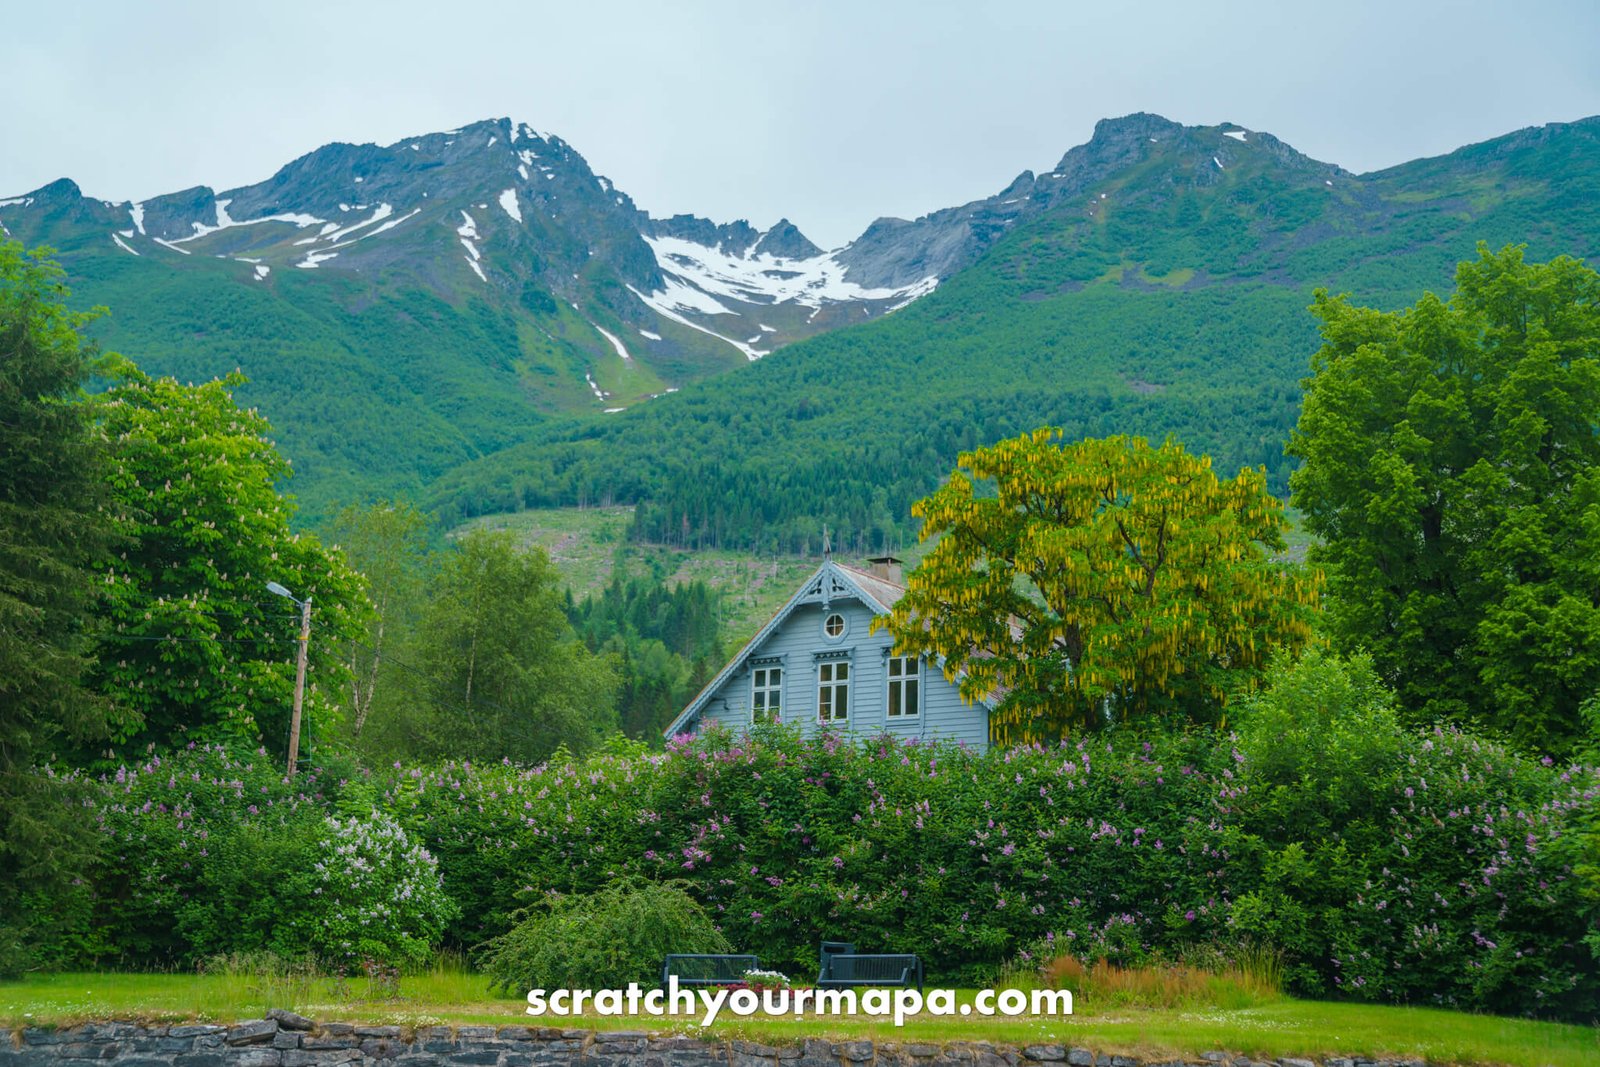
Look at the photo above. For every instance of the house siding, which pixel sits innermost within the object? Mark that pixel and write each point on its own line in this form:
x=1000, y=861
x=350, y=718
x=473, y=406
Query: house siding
x=796, y=644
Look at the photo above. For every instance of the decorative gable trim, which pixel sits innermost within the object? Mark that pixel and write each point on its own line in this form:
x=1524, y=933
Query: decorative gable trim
x=827, y=586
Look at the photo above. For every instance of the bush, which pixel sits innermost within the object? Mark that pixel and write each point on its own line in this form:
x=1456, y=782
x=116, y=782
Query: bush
x=1378, y=862
x=1398, y=866
x=201, y=850
x=207, y=854
x=603, y=940
x=372, y=896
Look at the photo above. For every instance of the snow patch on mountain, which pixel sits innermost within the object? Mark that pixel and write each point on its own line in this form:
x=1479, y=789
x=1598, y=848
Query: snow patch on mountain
x=695, y=273
x=468, y=231
x=667, y=310
x=392, y=223
x=122, y=244
x=616, y=343
x=383, y=211
x=508, y=201
x=227, y=222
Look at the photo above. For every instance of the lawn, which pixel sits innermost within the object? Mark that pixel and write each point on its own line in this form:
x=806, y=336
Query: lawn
x=1280, y=1027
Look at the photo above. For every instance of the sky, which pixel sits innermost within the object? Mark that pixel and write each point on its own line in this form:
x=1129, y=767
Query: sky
x=828, y=113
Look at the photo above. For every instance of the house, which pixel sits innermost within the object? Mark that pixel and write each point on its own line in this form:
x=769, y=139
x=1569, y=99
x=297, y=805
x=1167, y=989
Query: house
x=817, y=664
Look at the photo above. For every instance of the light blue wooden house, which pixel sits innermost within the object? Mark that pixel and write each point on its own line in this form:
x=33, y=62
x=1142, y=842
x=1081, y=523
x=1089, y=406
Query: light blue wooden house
x=817, y=664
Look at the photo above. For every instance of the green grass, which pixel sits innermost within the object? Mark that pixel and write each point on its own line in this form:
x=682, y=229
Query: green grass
x=1277, y=1027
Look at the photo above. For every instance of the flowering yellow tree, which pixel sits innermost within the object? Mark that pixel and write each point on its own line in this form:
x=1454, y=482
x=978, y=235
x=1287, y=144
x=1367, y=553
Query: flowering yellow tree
x=1099, y=582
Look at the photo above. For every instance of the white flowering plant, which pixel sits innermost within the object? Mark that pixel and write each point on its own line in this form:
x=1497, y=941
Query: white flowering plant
x=375, y=896
x=759, y=980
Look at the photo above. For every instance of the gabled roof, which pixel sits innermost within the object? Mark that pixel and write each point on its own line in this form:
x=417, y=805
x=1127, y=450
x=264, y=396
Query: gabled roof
x=831, y=581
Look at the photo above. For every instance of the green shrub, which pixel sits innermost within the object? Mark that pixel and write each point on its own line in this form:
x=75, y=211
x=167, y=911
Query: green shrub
x=371, y=895
x=1400, y=866
x=601, y=940
x=1379, y=863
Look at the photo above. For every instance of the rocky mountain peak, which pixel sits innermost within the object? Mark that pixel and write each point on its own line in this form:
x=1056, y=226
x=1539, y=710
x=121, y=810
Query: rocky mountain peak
x=785, y=241
x=60, y=189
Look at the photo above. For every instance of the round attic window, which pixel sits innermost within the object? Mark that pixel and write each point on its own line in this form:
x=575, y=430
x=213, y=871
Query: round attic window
x=833, y=626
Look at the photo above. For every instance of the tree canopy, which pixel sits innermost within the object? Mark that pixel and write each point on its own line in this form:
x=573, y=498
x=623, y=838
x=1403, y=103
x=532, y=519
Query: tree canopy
x=53, y=532
x=1101, y=581
x=51, y=520
x=1450, y=455
x=194, y=646
x=504, y=674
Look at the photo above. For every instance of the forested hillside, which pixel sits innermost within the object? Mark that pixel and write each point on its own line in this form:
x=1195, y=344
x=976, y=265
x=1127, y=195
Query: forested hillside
x=1169, y=298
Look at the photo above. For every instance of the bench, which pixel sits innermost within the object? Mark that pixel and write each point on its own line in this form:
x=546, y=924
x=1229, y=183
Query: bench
x=843, y=970
x=707, y=969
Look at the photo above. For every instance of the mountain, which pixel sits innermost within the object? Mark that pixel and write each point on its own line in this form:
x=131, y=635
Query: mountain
x=476, y=317
x=1155, y=282
x=403, y=309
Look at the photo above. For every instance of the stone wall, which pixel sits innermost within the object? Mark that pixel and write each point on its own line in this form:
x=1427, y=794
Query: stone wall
x=288, y=1040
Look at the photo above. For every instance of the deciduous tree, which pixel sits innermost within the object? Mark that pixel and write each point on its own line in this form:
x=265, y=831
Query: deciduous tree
x=505, y=675
x=1450, y=468
x=193, y=644
x=1101, y=581
x=387, y=543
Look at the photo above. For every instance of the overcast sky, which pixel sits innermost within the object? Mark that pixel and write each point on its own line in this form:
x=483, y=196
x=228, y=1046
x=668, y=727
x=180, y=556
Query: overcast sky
x=829, y=113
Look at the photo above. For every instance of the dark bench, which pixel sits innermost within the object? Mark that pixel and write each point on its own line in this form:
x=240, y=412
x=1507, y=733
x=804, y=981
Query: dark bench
x=843, y=967
x=697, y=969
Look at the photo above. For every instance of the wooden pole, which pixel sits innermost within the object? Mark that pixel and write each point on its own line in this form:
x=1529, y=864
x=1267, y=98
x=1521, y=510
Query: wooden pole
x=299, y=685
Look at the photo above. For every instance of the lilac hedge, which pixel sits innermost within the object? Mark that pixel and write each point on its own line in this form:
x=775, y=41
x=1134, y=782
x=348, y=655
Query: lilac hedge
x=1382, y=864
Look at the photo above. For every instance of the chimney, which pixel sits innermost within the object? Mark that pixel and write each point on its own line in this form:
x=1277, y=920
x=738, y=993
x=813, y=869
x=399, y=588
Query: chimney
x=887, y=568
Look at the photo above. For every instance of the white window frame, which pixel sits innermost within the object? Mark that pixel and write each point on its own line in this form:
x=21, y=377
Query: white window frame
x=844, y=626
x=833, y=682
x=911, y=677
x=762, y=686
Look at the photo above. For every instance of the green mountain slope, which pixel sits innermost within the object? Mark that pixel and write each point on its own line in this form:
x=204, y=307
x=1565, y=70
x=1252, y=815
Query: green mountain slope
x=1160, y=289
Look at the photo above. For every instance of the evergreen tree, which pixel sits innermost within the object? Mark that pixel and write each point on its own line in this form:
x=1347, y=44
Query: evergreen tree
x=53, y=532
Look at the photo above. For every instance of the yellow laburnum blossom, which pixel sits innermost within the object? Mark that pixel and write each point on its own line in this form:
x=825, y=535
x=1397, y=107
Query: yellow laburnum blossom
x=1100, y=581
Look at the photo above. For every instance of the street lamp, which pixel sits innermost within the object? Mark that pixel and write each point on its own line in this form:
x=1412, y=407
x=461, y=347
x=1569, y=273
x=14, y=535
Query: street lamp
x=299, y=670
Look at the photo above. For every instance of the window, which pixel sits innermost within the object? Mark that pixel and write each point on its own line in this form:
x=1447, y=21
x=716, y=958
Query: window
x=833, y=692
x=766, y=694
x=905, y=686
x=833, y=626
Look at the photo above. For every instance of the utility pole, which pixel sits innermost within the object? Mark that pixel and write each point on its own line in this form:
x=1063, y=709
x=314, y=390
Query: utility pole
x=299, y=684
x=299, y=670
